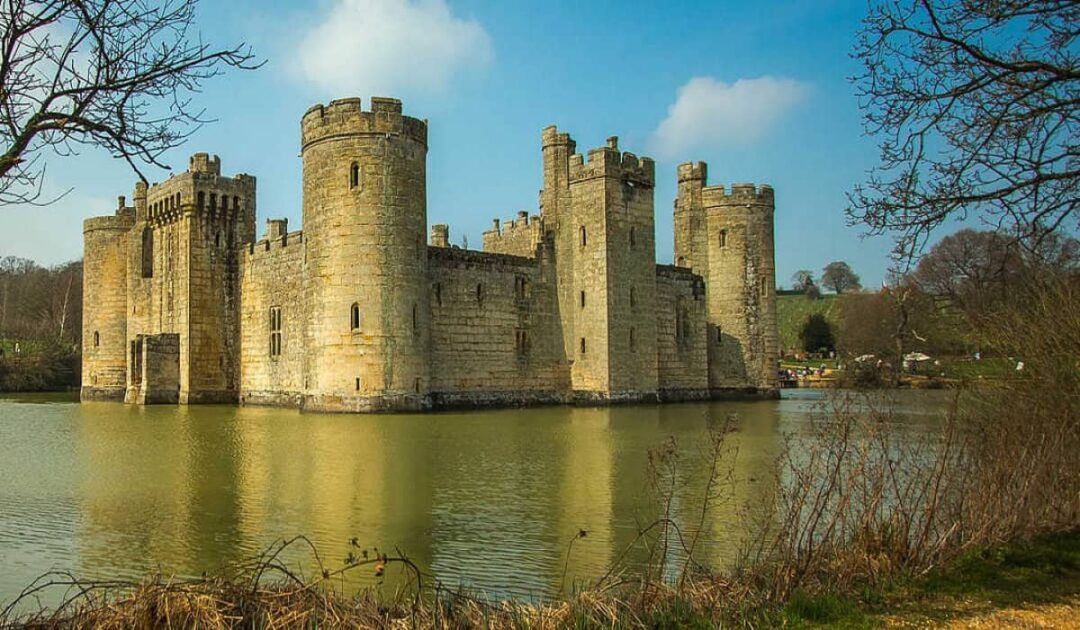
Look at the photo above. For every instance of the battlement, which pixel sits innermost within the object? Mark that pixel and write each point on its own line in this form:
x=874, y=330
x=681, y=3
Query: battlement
x=514, y=236
x=738, y=195
x=116, y=222
x=204, y=163
x=551, y=136
x=693, y=171
x=440, y=235
x=607, y=161
x=272, y=245
x=346, y=116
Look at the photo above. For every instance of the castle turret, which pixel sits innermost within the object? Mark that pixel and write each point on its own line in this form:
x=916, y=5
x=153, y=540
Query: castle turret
x=365, y=214
x=104, y=356
x=727, y=237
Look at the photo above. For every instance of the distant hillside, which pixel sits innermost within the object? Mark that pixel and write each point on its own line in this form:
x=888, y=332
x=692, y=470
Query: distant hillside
x=792, y=311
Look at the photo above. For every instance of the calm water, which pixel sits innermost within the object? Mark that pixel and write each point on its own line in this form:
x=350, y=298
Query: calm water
x=486, y=499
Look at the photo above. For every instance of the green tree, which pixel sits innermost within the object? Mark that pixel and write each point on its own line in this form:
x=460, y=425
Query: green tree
x=816, y=334
x=839, y=277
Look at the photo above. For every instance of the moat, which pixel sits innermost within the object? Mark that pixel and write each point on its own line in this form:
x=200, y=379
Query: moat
x=487, y=499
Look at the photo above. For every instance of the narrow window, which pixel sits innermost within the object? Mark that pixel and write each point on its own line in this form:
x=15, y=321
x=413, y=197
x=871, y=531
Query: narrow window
x=438, y=293
x=632, y=347
x=416, y=385
x=97, y=339
x=354, y=317
x=633, y=298
x=723, y=238
x=719, y=334
x=582, y=299
x=582, y=345
x=275, y=331
x=224, y=204
x=520, y=284
x=201, y=200
x=415, y=322
x=633, y=237
x=764, y=286
x=147, y=253
x=235, y=203
x=213, y=202
x=583, y=239
x=521, y=342
x=354, y=175
x=217, y=239
x=358, y=383
x=480, y=294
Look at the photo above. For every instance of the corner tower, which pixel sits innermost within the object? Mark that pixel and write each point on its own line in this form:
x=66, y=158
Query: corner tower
x=104, y=363
x=727, y=238
x=365, y=217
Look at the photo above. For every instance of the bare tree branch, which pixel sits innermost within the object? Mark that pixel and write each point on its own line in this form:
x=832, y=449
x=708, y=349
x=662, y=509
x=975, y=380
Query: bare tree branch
x=114, y=74
x=974, y=105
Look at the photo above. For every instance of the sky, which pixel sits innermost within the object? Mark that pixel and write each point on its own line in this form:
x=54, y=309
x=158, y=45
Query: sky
x=758, y=90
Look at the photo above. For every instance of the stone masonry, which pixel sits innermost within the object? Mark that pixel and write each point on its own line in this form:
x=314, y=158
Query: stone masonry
x=360, y=312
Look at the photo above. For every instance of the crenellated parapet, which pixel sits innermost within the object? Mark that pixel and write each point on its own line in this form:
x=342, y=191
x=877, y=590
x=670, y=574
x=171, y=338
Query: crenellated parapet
x=346, y=116
x=203, y=192
x=518, y=236
x=739, y=194
x=608, y=161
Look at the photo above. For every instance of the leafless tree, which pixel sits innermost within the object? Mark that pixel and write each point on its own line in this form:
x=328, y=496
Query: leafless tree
x=115, y=74
x=975, y=106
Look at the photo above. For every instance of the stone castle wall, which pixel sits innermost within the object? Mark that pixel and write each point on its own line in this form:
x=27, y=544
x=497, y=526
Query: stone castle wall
x=492, y=331
x=272, y=275
x=681, y=348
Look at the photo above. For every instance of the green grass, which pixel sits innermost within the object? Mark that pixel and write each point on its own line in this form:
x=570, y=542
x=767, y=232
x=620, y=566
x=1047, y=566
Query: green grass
x=792, y=311
x=1042, y=571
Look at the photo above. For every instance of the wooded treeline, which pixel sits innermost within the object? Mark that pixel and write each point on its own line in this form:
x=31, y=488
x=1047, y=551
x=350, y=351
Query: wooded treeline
x=40, y=325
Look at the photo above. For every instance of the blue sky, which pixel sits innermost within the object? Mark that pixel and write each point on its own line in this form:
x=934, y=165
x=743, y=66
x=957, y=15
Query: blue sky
x=758, y=90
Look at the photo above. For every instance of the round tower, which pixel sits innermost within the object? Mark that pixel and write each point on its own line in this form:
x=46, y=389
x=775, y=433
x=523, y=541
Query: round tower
x=743, y=285
x=365, y=217
x=104, y=334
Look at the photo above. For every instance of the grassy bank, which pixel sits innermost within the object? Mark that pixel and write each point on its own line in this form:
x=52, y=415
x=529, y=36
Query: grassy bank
x=1039, y=579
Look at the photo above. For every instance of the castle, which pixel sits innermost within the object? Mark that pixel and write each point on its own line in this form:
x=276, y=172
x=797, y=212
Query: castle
x=360, y=312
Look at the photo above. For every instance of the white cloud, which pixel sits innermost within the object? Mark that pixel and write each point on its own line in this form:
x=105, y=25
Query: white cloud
x=708, y=113
x=387, y=47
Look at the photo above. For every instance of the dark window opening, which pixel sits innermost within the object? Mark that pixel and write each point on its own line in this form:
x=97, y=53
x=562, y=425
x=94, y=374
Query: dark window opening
x=416, y=385
x=632, y=345
x=415, y=319
x=275, y=331
x=633, y=237
x=582, y=345
x=584, y=240
x=217, y=239
x=764, y=286
x=97, y=339
x=438, y=293
x=201, y=200
x=147, y=253
x=354, y=317
x=480, y=294
x=235, y=203
x=582, y=299
x=633, y=298
x=354, y=175
x=719, y=334
x=521, y=342
x=358, y=383
x=520, y=287
x=723, y=238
